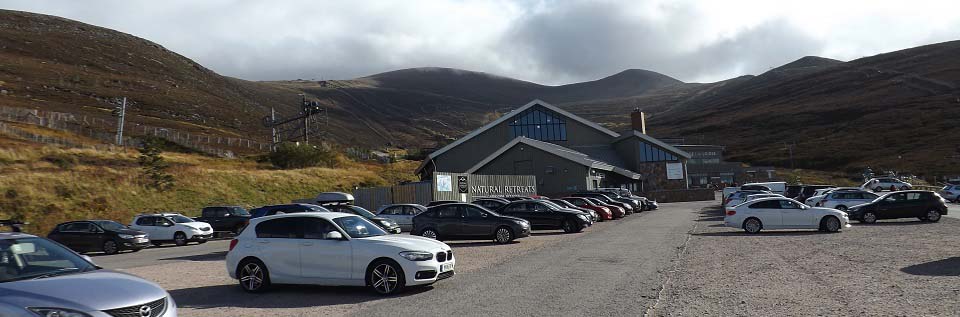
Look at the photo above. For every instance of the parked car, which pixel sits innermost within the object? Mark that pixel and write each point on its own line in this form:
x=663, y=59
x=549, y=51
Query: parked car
x=225, y=218
x=810, y=190
x=921, y=204
x=753, y=197
x=545, y=215
x=616, y=211
x=605, y=197
x=491, y=203
x=39, y=277
x=951, y=192
x=636, y=205
x=755, y=187
x=739, y=196
x=441, y=202
x=334, y=249
x=773, y=187
x=285, y=209
x=793, y=191
x=594, y=217
x=783, y=213
x=646, y=204
x=402, y=214
x=819, y=194
x=886, y=183
x=603, y=213
x=384, y=223
x=105, y=236
x=843, y=199
x=170, y=227
x=463, y=220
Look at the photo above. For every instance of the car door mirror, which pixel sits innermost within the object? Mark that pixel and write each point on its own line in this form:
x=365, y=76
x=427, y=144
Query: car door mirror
x=334, y=235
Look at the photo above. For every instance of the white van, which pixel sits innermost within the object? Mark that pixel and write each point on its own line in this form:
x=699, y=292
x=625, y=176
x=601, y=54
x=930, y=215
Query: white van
x=775, y=187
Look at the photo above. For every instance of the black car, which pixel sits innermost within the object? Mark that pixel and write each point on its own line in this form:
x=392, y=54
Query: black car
x=594, y=217
x=921, y=204
x=491, y=203
x=225, y=218
x=638, y=205
x=284, y=209
x=466, y=221
x=104, y=236
x=387, y=224
x=793, y=191
x=809, y=190
x=543, y=214
x=605, y=197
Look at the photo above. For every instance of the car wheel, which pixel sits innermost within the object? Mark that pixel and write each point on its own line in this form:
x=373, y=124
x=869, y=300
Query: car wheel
x=385, y=277
x=201, y=241
x=430, y=233
x=878, y=189
x=842, y=208
x=110, y=247
x=752, y=225
x=568, y=226
x=503, y=235
x=893, y=188
x=933, y=216
x=253, y=276
x=180, y=239
x=869, y=217
x=830, y=224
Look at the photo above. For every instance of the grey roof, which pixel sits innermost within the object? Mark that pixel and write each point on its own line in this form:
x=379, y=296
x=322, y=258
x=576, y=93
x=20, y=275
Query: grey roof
x=563, y=152
x=656, y=142
x=506, y=117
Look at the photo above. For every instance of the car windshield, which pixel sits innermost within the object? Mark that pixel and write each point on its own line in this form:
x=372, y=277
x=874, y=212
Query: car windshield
x=552, y=205
x=34, y=258
x=181, y=219
x=238, y=211
x=357, y=227
x=110, y=225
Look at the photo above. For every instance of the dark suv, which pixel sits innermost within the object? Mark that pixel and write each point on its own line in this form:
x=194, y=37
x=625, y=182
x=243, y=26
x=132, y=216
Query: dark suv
x=546, y=215
x=462, y=220
x=921, y=204
x=225, y=218
x=104, y=236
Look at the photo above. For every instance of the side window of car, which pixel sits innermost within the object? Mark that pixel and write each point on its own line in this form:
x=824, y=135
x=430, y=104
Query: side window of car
x=315, y=228
x=146, y=221
x=536, y=207
x=913, y=196
x=411, y=210
x=389, y=211
x=895, y=198
x=163, y=221
x=75, y=227
x=514, y=208
x=786, y=204
x=278, y=228
x=869, y=196
x=448, y=212
x=474, y=213
x=767, y=204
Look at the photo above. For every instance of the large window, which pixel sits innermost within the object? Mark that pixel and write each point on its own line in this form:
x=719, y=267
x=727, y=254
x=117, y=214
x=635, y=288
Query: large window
x=649, y=153
x=539, y=124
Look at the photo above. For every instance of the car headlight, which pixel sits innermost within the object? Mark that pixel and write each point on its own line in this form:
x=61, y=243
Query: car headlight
x=387, y=223
x=56, y=312
x=125, y=236
x=417, y=255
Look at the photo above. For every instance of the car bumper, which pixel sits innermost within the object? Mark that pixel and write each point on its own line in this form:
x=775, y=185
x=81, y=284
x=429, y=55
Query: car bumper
x=134, y=244
x=523, y=232
x=427, y=272
x=201, y=237
x=394, y=230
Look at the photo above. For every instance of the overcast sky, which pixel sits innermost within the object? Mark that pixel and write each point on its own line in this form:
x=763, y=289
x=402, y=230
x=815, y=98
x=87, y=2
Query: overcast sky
x=549, y=42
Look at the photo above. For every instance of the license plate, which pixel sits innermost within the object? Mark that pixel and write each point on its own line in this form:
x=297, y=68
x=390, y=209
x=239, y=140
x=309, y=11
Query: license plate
x=446, y=267
x=142, y=240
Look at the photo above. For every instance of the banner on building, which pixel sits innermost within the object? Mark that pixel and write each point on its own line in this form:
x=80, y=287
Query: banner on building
x=674, y=170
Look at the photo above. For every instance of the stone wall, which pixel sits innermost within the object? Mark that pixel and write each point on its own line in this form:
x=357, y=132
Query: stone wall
x=655, y=177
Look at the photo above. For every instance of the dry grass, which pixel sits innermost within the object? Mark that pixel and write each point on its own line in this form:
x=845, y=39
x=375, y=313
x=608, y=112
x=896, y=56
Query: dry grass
x=46, y=185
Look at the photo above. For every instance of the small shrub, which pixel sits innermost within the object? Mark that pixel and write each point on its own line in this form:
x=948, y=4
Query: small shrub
x=64, y=161
x=153, y=165
x=292, y=155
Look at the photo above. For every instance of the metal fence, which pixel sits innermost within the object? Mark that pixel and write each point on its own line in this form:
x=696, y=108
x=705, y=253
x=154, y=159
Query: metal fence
x=413, y=193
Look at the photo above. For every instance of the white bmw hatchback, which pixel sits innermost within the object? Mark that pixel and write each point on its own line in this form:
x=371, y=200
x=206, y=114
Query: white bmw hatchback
x=783, y=213
x=333, y=249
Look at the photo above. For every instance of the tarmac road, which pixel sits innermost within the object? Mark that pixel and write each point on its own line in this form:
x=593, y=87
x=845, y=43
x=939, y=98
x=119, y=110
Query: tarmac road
x=167, y=253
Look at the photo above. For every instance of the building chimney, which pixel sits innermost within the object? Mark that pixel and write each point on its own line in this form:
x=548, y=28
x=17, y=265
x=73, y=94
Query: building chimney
x=638, y=120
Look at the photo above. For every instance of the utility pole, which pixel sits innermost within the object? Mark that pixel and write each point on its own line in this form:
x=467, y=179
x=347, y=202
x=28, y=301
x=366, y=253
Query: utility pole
x=274, y=138
x=306, y=118
x=790, y=148
x=122, y=113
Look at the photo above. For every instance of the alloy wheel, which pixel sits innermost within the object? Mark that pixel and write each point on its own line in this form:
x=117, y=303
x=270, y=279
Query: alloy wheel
x=503, y=235
x=933, y=216
x=384, y=279
x=180, y=238
x=567, y=226
x=833, y=224
x=110, y=247
x=869, y=217
x=251, y=277
x=752, y=226
x=429, y=233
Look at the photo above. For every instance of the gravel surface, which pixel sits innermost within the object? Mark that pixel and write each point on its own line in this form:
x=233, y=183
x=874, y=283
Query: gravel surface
x=896, y=267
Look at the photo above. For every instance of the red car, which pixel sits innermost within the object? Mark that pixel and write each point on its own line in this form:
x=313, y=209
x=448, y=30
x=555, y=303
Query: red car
x=604, y=212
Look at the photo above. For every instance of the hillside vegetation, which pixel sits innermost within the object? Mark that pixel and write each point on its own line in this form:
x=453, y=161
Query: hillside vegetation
x=46, y=185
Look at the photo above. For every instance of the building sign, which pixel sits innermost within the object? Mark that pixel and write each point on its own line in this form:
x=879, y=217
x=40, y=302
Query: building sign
x=444, y=183
x=674, y=170
x=503, y=190
x=462, y=184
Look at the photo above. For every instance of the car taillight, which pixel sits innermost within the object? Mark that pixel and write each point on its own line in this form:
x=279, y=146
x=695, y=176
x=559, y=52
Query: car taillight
x=233, y=243
x=731, y=212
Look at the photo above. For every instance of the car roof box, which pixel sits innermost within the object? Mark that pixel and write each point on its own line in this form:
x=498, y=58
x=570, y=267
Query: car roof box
x=334, y=197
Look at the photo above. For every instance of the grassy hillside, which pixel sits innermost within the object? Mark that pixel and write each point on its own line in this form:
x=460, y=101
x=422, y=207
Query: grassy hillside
x=46, y=185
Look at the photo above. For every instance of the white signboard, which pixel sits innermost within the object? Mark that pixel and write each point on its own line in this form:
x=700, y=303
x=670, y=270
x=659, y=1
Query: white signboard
x=444, y=183
x=674, y=170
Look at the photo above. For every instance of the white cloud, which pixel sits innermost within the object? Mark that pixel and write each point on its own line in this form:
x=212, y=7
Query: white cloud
x=547, y=41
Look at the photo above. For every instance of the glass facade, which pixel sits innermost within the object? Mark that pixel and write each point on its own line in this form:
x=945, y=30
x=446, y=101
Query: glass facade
x=650, y=153
x=539, y=124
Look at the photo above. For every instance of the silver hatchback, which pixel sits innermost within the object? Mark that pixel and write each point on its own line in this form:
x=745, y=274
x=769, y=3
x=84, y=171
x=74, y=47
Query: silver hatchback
x=39, y=277
x=951, y=193
x=402, y=214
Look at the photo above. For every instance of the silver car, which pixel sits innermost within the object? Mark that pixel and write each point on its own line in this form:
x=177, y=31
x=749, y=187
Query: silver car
x=951, y=193
x=402, y=214
x=39, y=277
